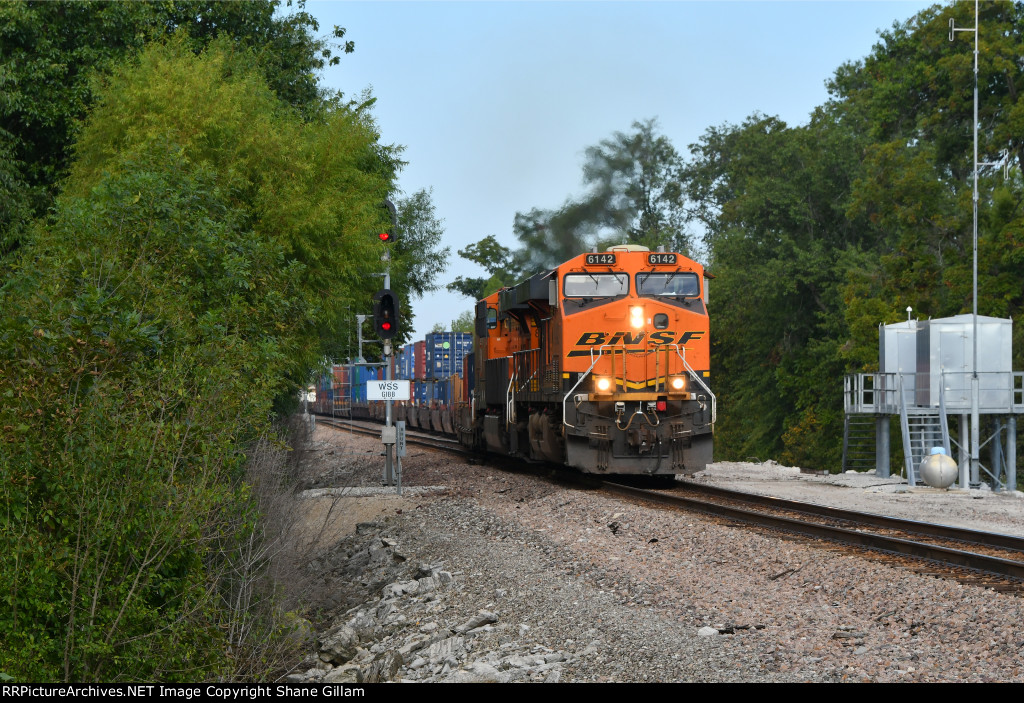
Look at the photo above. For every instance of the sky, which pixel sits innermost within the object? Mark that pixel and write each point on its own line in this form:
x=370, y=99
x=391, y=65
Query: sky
x=495, y=102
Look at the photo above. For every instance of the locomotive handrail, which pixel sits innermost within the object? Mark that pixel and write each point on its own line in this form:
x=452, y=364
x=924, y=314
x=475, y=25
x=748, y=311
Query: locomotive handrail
x=517, y=361
x=580, y=380
x=686, y=365
x=510, y=400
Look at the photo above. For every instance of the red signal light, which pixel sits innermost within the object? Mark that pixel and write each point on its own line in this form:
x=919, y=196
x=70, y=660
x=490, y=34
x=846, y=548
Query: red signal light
x=386, y=315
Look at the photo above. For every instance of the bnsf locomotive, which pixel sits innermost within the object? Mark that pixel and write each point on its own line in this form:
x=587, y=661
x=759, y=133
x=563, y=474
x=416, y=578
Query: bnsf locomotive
x=602, y=364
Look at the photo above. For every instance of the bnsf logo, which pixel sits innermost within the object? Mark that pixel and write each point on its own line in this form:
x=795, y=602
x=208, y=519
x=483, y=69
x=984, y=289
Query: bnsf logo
x=591, y=339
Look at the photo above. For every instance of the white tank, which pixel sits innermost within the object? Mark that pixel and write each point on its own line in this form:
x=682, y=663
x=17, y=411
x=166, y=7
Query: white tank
x=939, y=470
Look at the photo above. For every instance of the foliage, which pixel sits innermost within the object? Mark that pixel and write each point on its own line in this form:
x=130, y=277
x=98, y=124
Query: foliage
x=50, y=52
x=312, y=188
x=635, y=196
x=915, y=184
x=780, y=243
x=465, y=322
x=114, y=479
x=186, y=281
x=636, y=188
x=420, y=257
x=417, y=256
x=496, y=260
x=819, y=233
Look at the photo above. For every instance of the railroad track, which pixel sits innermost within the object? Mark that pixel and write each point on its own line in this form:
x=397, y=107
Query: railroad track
x=974, y=557
x=413, y=437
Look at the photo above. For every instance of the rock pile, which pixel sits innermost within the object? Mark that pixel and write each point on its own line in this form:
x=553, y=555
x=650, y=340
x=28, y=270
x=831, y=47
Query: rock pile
x=410, y=626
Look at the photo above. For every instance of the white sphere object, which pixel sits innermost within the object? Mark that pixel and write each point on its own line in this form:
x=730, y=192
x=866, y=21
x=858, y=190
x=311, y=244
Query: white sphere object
x=939, y=470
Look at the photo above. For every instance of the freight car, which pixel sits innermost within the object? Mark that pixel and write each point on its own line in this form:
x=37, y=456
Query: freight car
x=602, y=363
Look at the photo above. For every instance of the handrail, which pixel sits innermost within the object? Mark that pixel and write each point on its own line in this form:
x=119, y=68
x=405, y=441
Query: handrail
x=510, y=399
x=517, y=356
x=686, y=365
x=583, y=375
x=942, y=415
x=908, y=453
x=1001, y=392
x=682, y=356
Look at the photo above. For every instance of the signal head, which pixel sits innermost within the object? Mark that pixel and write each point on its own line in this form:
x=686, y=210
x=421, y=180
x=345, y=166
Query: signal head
x=386, y=314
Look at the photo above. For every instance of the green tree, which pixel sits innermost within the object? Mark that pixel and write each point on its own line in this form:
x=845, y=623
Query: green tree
x=913, y=97
x=187, y=280
x=465, y=322
x=635, y=196
x=421, y=259
x=313, y=187
x=636, y=186
x=819, y=233
x=497, y=260
x=771, y=199
x=417, y=257
x=51, y=51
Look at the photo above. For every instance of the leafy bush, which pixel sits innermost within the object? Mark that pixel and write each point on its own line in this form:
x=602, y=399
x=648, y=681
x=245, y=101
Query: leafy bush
x=185, y=280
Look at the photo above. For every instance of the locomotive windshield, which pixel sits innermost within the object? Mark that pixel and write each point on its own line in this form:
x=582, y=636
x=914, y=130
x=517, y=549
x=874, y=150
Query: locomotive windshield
x=674, y=285
x=595, y=285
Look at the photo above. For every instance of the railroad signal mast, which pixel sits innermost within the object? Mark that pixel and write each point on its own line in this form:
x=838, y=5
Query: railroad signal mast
x=386, y=318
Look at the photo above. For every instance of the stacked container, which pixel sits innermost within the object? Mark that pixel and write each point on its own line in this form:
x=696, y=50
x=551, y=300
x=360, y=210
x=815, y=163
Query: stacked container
x=445, y=353
x=420, y=361
x=469, y=375
x=457, y=387
x=360, y=375
x=405, y=362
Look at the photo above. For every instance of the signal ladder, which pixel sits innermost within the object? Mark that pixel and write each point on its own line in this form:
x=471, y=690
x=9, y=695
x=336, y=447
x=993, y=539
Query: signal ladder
x=859, y=443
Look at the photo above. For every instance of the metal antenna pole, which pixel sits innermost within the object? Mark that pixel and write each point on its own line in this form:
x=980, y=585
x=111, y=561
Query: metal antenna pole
x=975, y=391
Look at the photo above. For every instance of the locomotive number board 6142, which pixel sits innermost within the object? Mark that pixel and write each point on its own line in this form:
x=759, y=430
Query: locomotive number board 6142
x=601, y=259
x=655, y=259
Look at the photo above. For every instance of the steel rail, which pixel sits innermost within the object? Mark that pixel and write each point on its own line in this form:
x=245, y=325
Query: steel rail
x=414, y=438
x=946, y=555
x=963, y=534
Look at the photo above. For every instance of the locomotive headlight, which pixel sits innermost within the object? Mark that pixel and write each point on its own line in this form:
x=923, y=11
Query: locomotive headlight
x=636, y=317
x=603, y=384
x=677, y=383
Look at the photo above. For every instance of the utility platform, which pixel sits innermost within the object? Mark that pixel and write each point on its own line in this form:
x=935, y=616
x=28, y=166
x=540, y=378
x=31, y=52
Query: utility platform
x=925, y=378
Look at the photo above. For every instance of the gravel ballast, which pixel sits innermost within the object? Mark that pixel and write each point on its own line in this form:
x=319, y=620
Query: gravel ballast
x=578, y=586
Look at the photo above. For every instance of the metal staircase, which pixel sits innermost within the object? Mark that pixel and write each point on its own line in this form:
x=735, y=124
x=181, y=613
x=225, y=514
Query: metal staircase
x=923, y=428
x=859, y=443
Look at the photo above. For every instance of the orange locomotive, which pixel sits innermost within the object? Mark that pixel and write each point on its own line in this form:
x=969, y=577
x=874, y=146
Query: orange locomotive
x=602, y=364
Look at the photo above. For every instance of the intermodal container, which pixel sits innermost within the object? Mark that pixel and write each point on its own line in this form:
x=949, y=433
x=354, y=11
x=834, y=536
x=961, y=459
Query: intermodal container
x=469, y=374
x=362, y=374
x=424, y=392
x=458, y=389
x=420, y=360
x=340, y=374
x=404, y=365
x=445, y=352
